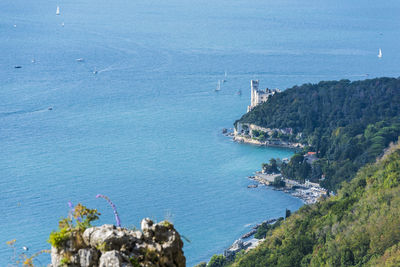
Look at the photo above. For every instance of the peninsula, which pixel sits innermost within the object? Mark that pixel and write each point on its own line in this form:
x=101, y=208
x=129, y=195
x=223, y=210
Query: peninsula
x=347, y=133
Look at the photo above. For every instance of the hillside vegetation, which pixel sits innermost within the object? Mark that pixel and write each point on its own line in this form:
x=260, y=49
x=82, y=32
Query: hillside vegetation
x=347, y=123
x=357, y=227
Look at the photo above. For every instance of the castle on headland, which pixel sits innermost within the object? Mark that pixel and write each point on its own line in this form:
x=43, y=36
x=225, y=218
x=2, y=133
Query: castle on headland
x=259, y=96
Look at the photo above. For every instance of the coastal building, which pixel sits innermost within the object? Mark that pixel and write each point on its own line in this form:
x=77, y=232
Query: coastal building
x=259, y=96
x=310, y=157
x=254, y=134
x=311, y=185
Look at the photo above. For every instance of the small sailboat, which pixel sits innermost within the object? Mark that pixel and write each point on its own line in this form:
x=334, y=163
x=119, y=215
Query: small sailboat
x=218, y=86
x=95, y=71
x=226, y=75
x=380, y=53
x=58, y=10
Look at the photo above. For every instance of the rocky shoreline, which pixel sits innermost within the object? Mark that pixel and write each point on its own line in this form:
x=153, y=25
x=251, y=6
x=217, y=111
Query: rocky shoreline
x=248, y=140
x=276, y=143
x=308, y=192
x=246, y=241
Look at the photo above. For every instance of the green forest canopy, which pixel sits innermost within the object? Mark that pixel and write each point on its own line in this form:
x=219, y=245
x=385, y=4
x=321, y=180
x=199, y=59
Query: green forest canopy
x=358, y=227
x=347, y=123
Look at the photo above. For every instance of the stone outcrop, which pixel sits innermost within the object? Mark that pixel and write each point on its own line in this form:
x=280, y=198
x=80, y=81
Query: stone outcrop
x=157, y=245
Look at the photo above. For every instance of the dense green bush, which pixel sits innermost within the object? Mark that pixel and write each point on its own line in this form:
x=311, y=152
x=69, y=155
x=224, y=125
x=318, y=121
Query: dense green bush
x=264, y=228
x=217, y=261
x=73, y=226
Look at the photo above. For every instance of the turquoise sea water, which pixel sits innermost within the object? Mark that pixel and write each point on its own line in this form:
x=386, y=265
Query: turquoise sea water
x=145, y=130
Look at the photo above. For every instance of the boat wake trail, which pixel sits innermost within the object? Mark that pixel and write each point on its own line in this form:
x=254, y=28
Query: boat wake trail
x=21, y=112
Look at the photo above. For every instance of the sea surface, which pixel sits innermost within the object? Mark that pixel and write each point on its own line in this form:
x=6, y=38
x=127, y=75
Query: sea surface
x=138, y=118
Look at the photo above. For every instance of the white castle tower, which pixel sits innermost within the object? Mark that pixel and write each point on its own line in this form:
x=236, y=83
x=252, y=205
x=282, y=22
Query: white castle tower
x=259, y=96
x=254, y=89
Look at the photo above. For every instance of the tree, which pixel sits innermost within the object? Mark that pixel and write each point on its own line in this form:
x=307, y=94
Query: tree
x=270, y=168
x=287, y=213
x=217, y=261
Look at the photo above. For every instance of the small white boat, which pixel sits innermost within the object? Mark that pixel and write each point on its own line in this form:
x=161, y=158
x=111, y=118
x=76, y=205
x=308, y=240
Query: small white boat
x=58, y=10
x=80, y=59
x=380, y=53
x=62, y=24
x=226, y=75
x=218, y=86
x=95, y=71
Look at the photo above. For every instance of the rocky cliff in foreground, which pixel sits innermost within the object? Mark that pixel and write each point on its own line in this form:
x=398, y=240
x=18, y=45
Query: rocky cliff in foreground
x=156, y=245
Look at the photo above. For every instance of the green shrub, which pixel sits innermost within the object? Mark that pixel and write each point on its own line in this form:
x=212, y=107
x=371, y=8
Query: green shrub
x=58, y=238
x=74, y=225
x=217, y=261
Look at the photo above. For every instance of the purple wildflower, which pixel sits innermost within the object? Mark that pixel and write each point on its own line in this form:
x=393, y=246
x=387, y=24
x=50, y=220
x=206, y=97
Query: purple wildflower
x=71, y=211
x=113, y=207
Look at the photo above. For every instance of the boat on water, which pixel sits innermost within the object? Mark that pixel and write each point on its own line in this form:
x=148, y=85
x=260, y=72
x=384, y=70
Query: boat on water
x=58, y=10
x=50, y=108
x=225, y=76
x=80, y=59
x=380, y=53
x=95, y=71
x=239, y=92
x=218, y=86
x=17, y=67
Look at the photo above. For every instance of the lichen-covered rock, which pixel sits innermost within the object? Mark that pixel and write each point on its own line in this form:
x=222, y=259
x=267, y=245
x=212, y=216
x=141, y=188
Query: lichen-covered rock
x=158, y=245
x=60, y=256
x=146, y=226
x=113, y=259
x=88, y=257
x=164, y=242
x=56, y=257
x=108, y=237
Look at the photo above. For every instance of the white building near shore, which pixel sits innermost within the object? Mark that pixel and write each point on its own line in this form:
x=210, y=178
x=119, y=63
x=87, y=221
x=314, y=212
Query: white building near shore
x=259, y=96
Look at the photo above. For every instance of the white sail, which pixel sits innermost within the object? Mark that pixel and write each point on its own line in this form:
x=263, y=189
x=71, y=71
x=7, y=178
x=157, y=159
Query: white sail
x=218, y=86
x=58, y=10
x=226, y=74
x=380, y=53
